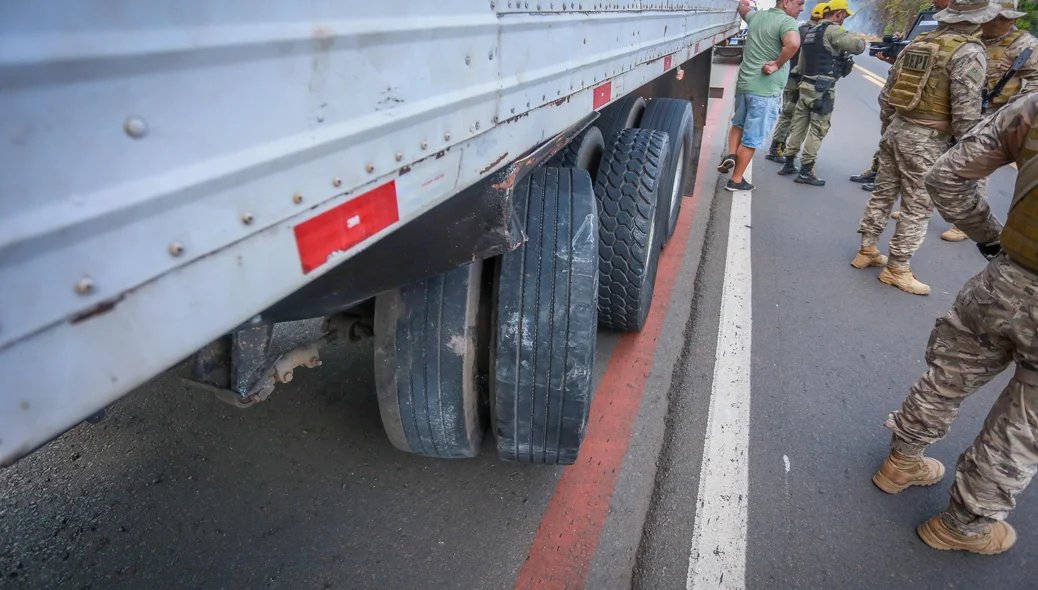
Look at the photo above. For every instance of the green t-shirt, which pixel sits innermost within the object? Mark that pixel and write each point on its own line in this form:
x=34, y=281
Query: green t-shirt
x=764, y=44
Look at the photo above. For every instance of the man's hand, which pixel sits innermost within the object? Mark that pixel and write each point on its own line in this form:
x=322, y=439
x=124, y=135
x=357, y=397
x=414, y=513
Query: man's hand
x=889, y=60
x=770, y=68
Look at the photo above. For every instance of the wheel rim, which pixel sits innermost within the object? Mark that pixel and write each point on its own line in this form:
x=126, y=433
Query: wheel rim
x=679, y=174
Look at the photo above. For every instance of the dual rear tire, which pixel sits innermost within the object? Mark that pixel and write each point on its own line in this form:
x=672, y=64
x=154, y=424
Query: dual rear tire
x=596, y=219
x=542, y=344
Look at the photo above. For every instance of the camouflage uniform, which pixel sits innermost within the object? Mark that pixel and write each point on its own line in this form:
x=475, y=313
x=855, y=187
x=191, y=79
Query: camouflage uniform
x=1001, y=52
x=910, y=146
x=807, y=123
x=993, y=322
x=1000, y=60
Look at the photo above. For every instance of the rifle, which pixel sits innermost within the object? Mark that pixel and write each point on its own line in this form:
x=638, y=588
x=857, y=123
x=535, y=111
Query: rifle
x=989, y=95
x=891, y=45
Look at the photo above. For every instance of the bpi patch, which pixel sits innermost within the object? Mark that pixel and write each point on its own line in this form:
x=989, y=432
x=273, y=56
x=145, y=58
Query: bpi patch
x=975, y=75
x=917, y=60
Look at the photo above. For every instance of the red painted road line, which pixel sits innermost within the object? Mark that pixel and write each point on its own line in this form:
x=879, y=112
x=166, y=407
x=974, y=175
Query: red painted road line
x=561, y=553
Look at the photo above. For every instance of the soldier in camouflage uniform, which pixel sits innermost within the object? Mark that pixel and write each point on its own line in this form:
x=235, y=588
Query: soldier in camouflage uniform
x=791, y=93
x=1004, y=44
x=824, y=58
x=993, y=322
x=868, y=177
x=931, y=98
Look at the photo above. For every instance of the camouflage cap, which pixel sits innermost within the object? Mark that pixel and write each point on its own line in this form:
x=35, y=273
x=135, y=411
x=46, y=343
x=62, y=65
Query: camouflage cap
x=977, y=12
x=1009, y=9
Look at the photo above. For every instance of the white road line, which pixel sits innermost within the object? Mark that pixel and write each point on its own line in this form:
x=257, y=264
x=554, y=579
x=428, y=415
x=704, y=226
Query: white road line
x=875, y=79
x=718, y=558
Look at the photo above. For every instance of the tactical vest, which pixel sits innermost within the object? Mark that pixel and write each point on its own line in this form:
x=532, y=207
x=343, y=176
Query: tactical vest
x=1020, y=235
x=996, y=53
x=804, y=28
x=818, y=61
x=922, y=89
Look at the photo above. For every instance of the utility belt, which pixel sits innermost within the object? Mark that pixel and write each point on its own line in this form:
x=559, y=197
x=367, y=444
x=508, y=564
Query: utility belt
x=826, y=102
x=900, y=123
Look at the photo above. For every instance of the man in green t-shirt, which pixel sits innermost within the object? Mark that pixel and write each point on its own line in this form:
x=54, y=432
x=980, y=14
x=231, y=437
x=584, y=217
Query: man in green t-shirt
x=771, y=40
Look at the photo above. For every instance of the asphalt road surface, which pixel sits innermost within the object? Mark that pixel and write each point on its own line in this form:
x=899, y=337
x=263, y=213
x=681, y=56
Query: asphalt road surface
x=833, y=352
x=174, y=489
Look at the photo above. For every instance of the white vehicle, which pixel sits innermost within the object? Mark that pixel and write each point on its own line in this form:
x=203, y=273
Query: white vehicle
x=479, y=184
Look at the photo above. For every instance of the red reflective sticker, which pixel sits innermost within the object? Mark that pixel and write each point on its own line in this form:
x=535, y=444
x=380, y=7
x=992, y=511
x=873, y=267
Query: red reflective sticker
x=667, y=62
x=346, y=225
x=602, y=95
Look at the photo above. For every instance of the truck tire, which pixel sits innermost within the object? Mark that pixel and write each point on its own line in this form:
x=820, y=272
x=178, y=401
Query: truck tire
x=625, y=113
x=425, y=365
x=673, y=117
x=544, y=348
x=630, y=236
x=583, y=153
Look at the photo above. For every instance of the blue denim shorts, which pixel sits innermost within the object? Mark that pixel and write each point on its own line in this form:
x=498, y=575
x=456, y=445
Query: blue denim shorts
x=755, y=115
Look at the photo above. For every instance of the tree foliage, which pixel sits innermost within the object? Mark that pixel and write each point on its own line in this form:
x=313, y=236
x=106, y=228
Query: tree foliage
x=1029, y=22
x=899, y=14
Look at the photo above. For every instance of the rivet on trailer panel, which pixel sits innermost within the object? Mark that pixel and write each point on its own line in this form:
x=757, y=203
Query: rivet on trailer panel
x=446, y=136
x=370, y=167
x=297, y=198
x=336, y=182
x=246, y=218
x=85, y=285
x=425, y=144
x=136, y=127
x=399, y=156
x=176, y=249
x=468, y=60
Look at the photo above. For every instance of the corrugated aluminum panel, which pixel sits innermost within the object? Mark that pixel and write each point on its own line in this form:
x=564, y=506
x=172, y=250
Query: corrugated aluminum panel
x=159, y=155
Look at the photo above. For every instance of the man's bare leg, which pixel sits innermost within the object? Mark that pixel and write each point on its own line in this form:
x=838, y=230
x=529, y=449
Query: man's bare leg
x=743, y=156
x=734, y=139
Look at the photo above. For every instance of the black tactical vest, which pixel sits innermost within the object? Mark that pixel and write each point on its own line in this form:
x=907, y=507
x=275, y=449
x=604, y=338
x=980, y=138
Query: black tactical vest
x=818, y=61
x=804, y=28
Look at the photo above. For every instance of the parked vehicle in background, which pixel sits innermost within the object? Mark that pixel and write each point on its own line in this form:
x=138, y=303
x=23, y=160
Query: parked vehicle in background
x=477, y=185
x=732, y=48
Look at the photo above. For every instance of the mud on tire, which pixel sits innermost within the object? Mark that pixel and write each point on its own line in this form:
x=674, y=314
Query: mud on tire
x=544, y=346
x=426, y=365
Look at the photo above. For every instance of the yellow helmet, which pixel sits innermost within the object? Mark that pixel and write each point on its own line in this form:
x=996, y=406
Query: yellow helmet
x=818, y=11
x=835, y=5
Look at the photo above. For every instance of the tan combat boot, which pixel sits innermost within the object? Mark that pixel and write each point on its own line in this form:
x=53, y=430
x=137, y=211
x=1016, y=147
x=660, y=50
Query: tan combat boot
x=996, y=538
x=902, y=278
x=899, y=472
x=954, y=234
x=868, y=256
